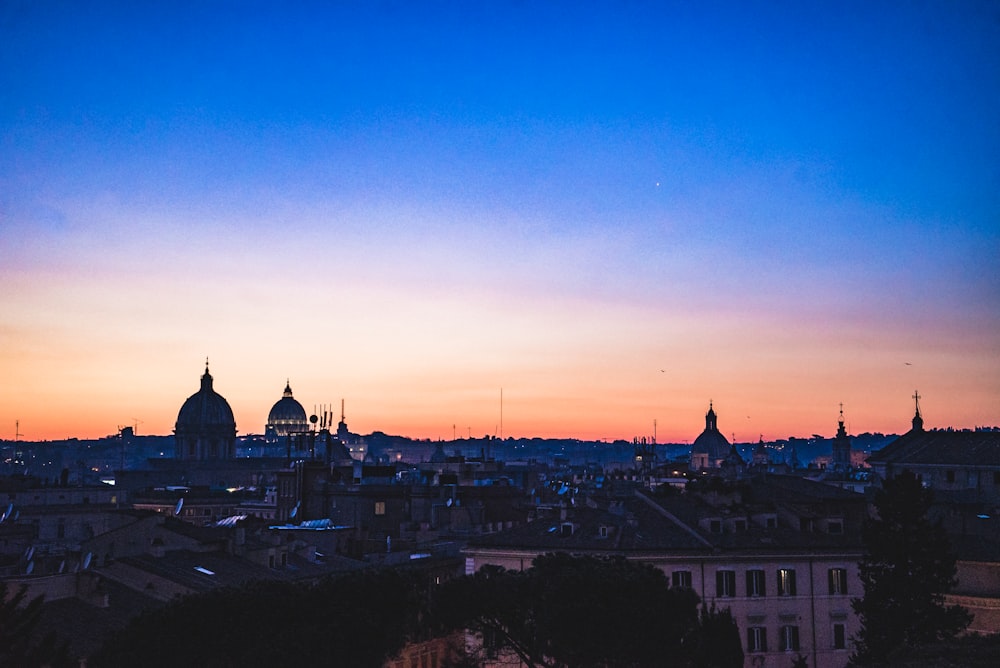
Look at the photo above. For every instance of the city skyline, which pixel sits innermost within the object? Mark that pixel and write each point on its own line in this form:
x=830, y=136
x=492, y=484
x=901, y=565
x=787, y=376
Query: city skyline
x=612, y=214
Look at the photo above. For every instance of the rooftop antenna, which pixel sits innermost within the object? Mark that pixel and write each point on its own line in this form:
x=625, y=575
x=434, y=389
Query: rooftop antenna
x=17, y=431
x=135, y=429
x=501, y=413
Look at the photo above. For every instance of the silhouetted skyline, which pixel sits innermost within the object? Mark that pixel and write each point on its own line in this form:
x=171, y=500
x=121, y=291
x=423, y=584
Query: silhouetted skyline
x=613, y=214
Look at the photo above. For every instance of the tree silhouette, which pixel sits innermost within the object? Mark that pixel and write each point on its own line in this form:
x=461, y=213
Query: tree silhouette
x=19, y=645
x=358, y=620
x=907, y=569
x=587, y=612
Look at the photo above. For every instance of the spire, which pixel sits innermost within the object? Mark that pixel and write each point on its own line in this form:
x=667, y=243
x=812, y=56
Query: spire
x=288, y=389
x=918, y=422
x=841, y=432
x=206, y=380
x=710, y=421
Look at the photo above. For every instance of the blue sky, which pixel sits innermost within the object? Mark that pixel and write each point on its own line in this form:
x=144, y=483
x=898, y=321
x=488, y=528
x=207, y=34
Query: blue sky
x=778, y=186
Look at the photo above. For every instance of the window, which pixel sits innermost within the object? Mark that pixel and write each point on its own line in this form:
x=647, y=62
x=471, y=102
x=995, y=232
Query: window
x=715, y=526
x=604, y=531
x=996, y=477
x=786, y=582
x=771, y=523
x=739, y=526
x=837, y=578
x=756, y=639
x=380, y=507
x=725, y=583
x=949, y=476
x=755, y=583
x=839, y=636
x=790, y=638
x=835, y=526
x=681, y=579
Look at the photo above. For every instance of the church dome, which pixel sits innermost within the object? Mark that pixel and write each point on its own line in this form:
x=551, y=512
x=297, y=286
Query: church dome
x=711, y=447
x=205, y=426
x=287, y=416
x=205, y=408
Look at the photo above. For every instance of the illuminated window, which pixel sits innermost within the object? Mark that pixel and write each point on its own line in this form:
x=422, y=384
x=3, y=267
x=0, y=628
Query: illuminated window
x=755, y=583
x=837, y=578
x=786, y=582
x=380, y=507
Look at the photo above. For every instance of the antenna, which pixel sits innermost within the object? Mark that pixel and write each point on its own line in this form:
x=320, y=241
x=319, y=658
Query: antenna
x=135, y=428
x=17, y=430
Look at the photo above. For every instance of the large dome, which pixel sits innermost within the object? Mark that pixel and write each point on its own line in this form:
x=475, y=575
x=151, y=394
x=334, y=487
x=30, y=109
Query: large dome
x=205, y=408
x=711, y=447
x=205, y=426
x=286, y=417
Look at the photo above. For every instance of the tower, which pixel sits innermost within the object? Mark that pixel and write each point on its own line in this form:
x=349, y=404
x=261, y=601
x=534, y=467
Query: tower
x=841, y=445
x=918, y=422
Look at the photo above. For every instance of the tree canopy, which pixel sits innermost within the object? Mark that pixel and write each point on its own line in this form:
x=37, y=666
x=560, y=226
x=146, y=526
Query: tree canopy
x=19, y=641
x=361, y=619
x=564, y=611
x=591, y=613
x=906, y=570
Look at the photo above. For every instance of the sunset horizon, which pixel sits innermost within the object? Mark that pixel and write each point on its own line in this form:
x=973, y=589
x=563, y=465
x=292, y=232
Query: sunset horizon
x=612, y=215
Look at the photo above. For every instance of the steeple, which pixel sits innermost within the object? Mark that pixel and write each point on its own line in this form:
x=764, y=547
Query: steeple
x=841, y=446
x=918, y=422
x=288, y=389
x=710, y=420
x=206, y=380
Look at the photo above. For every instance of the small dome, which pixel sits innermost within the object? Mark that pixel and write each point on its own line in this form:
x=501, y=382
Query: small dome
x=286, y=416
x=711, y=447
x=205, y=408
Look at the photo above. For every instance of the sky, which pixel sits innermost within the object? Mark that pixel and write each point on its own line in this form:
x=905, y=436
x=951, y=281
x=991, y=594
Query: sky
x=555, y=219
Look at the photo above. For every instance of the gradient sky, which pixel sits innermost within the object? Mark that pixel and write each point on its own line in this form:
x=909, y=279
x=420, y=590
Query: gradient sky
x=615, y=212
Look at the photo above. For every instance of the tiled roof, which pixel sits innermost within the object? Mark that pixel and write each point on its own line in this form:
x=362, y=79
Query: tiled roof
x=667, y=524
x=944, y=448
